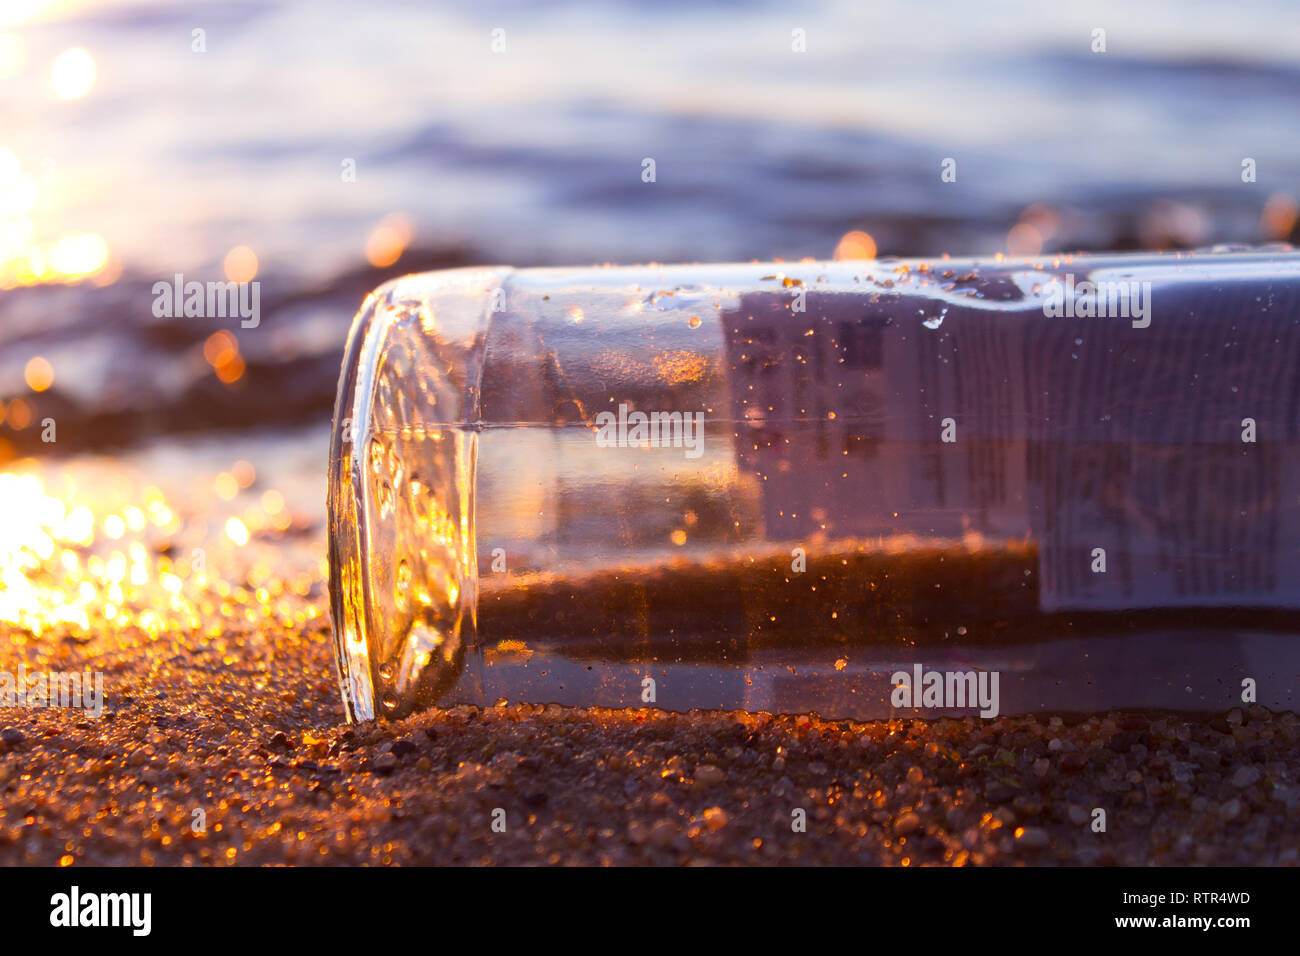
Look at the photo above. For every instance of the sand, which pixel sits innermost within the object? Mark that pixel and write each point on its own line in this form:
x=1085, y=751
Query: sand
x=222, y=739
x=246, y=728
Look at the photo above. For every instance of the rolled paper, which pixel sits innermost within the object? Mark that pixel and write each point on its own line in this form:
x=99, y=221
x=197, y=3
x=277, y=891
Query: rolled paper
x=863, y=489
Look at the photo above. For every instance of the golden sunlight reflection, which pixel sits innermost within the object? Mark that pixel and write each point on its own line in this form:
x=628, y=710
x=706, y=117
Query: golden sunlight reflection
x=79, y=255
x=236, y=531
x=83, y=551
x=25, y=261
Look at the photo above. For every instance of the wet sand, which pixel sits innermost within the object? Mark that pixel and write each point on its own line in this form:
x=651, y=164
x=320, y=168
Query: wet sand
x=245, y=725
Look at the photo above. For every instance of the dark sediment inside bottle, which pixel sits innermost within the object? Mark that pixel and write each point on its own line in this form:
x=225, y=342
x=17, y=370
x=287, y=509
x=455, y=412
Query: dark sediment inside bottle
x=750, y=634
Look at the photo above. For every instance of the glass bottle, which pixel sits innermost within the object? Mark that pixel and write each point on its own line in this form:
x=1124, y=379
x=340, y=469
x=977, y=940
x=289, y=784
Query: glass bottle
x=862, y=489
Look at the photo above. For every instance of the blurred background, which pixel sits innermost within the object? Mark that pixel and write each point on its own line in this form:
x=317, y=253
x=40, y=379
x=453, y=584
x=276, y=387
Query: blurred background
x=321, y=147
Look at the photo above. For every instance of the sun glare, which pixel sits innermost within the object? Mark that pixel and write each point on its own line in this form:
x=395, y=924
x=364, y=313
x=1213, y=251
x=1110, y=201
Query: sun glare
x=73, y=74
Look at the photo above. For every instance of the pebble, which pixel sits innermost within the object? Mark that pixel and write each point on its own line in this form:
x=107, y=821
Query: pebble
x=999, y=793
x=1073, y=762
x=907, y=824
x=715, y=818
x=1245, y=777
x=708, y=775
x=1033, y=837
x=663, y=832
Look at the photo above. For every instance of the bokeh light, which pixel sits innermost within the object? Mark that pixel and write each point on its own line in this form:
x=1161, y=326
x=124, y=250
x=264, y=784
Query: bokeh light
x=856, y=245
x=1024, y=239
x=39, y=374
x=389, y=240
x=74, y=256
x=241, y=264
x=73, y=74
x=1279, y=217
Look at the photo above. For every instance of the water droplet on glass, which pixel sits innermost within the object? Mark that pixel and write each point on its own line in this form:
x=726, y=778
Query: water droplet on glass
x=934, y=321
